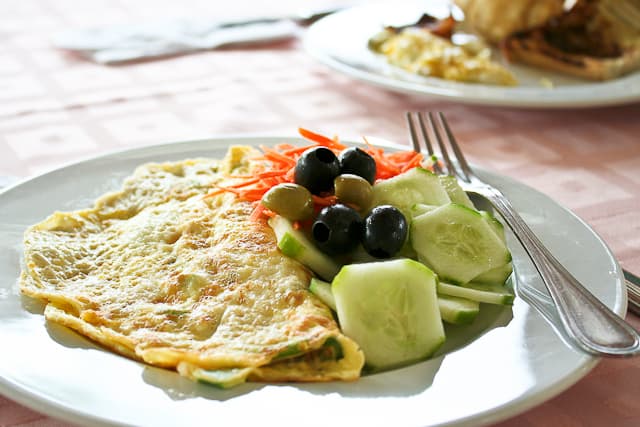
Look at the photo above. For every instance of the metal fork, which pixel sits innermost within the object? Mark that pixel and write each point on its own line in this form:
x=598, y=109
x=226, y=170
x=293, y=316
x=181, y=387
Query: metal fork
x=590, y=325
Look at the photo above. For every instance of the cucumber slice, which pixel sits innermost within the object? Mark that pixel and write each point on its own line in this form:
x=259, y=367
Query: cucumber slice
x=455, y=192
x=390, y=308
x=495, y=225
x=293, y=243
x=417, y=185
x=457, y=243
x=322, y=290
x=459, y=311
x=420, y=208
x=490, y=294
x=496, y=276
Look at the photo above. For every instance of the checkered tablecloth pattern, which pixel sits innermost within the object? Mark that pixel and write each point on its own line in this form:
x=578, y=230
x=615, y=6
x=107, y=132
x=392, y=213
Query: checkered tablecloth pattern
x=56, y=108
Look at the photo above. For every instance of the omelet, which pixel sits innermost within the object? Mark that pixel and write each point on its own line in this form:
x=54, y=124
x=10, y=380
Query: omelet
x=160, y=273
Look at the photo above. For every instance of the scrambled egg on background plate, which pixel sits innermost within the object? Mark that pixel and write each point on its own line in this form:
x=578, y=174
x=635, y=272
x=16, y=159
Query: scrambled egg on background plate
x=421, y=52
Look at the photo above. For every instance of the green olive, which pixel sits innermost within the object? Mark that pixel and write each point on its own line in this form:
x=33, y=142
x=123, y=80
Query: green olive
x=292, y=201
x=354, y=190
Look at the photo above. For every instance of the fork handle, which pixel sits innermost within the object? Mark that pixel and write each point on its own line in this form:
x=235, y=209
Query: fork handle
x=587, y=321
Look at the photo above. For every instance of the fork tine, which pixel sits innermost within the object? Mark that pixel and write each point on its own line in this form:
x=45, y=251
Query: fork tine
x=451, y=170
x=462, y=161
x=412, y=132
x=425, y=136
x=415, y=141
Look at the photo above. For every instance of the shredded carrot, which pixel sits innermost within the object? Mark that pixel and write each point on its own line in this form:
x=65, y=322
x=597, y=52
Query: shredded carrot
x=315, y=137
x=215, y=192
x=276, y=157
x=415, y=161
x=297, y=150
x=324, y=201
x=289, y=176
x=243, y=183
x=279, y=167
x=257, y=212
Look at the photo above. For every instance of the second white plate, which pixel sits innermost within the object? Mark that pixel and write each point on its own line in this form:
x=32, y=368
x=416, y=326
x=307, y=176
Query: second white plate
x=340, y=41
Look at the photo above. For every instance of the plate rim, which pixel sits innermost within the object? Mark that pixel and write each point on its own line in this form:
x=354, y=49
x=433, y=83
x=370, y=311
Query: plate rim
x=49, y=406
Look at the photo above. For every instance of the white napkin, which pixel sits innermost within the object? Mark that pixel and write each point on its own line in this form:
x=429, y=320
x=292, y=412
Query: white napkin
x=124, y=43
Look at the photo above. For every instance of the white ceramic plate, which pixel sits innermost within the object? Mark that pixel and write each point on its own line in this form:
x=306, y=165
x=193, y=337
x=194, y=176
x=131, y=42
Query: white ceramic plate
x=518, y=363
x=340, y=41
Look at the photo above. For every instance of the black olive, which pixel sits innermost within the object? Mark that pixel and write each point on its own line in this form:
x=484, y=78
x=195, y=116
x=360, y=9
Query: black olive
x=356, y=161
x=337, y=229
x=385, y=231
x=316, y=169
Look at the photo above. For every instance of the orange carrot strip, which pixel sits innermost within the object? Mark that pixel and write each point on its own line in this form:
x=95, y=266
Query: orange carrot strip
x=366, y=141
x=297, y=150
x=256, y=214
x=252, y=196
x=324, y=201
x=337, y=145
x=284, y=146
x=215, y=192
x=268, y=212
x=271, y=174
x=289, y=176
x=315, y=137
x=401, y=156
x=244, y=183
x=414, y=162
x=277, y=157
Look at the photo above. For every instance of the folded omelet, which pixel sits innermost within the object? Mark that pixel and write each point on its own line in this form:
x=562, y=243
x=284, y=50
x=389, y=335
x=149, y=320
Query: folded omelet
x=159, y=273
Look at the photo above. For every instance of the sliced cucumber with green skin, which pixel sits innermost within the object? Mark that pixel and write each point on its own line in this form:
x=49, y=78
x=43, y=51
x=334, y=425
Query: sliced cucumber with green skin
x=490, y=294
x=390, y=308
x=293, y=243
x=495, y=225
x=457, y=243
x=417, y=185
x=455, y=192
x=458, y=311
x=420, y=208
x=496, y=276
x=322, y=290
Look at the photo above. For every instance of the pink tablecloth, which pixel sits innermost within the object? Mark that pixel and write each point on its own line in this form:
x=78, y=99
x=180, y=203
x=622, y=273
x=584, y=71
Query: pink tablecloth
x=55, y=108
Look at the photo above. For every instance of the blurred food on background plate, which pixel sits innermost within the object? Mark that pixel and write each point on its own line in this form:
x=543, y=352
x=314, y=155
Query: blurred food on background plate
x=589, y=39
x=496, y=19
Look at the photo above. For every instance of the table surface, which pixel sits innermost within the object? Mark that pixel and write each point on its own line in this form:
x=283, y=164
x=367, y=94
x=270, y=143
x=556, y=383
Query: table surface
x=56, y=108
